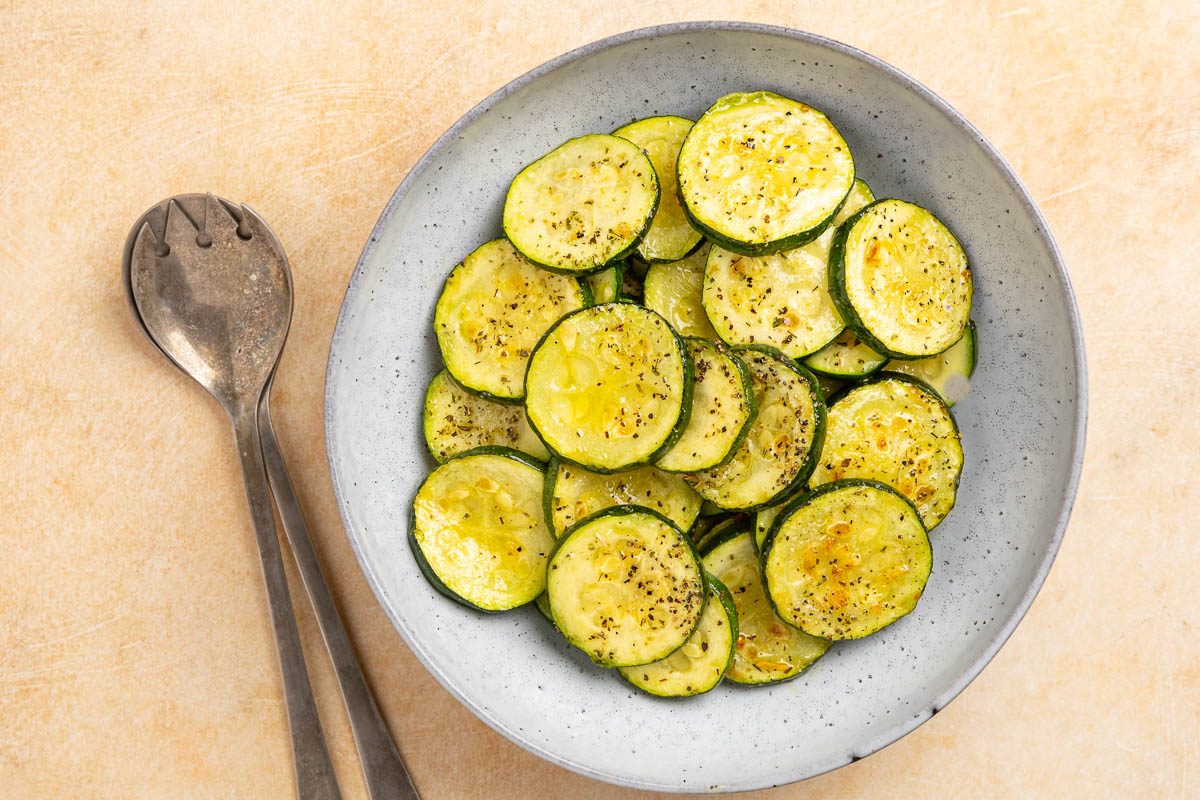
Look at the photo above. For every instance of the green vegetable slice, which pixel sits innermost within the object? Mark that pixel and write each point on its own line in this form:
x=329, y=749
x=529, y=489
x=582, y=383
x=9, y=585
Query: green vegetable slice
x=626, y=587
x=949, y=373
x=700, y=664
x=901, y=280
x=456, y=421
x=845, y=358
x=573, y=493
x=847, y=560
x=779, y=451
x=671, y=236
x=606, y=286
x=609, y=387
x=760, y=173
x=494, y=307
x=478, y=531
x=583, y=206
x=674, y=290
x=722, y=409
x=781, y=300
x=768, y=650
x=894, y=429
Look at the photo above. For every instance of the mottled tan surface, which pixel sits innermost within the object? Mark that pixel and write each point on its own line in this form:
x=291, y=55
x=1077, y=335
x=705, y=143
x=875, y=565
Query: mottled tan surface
x=135, y=653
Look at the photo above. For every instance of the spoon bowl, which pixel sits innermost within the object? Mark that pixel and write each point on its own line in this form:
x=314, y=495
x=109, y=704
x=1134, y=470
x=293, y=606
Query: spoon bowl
x=214, y=292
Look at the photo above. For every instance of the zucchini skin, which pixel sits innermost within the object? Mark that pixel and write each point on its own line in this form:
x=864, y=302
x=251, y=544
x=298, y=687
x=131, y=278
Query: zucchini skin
x=685, y=411
x=819, y=414
x=419, y=557
x=765, y=551
x=747, y=386
x=841, y=298
x=886, y=375
x=624, y=510
x=620, y=256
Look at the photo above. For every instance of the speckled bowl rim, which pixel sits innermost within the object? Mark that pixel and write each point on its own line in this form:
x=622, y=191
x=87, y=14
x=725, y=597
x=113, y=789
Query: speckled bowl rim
x=900, y=729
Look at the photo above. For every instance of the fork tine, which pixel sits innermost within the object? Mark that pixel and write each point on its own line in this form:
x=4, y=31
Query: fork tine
x=218, y=222
x=180, y=231
x=259, y=229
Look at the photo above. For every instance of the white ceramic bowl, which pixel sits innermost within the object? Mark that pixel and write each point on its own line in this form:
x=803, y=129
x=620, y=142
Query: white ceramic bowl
x=1022, y=425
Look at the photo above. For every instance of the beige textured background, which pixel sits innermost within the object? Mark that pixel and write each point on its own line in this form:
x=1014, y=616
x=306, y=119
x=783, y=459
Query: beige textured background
x=136, y=657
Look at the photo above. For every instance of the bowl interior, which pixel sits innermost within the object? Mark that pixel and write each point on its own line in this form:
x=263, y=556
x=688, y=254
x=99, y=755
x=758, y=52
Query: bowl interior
x=1021, y=424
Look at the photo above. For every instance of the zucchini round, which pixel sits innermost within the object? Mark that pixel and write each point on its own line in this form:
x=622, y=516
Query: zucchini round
x=582, y=206
x=700, y=664
x=780, y=300
x=605, y=286
x=478, y=531
x=764, y=518
x=671, y=236
x=760, y=173
x=847, y=560
x=456, y=421
x=674, y=290
x=721, y=529
x=780, y=449
x=626, y=587
x=845, y=358
x=572, y=493
x=494, y=307
x=609, y=387
x=894, y=429
x=722, y=409
x=768, y=650
x=949, y=373
x=901, y=280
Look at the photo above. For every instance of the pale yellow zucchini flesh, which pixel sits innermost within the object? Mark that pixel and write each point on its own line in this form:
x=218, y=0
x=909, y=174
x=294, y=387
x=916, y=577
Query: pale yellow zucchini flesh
x=573, y=493
x=767, y=649
x=675, y=290
x=625, y=587
x=494, y=307
x=846, y=561
x=608, y=385
x=671, y=236
x=456, y=421
x=898, y=432
x=582, y=206
x=480, y=532
x=762, y=173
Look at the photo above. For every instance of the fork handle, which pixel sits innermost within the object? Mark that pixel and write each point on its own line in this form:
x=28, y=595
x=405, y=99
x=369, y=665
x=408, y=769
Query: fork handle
x=383, y=770
x=315, y=779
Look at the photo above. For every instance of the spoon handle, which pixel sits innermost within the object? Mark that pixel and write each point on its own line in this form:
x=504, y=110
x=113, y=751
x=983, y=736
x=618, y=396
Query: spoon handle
x=383, y=770
x=315, y=779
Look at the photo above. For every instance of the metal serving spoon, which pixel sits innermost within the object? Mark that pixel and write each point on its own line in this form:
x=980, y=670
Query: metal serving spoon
x=210, y=286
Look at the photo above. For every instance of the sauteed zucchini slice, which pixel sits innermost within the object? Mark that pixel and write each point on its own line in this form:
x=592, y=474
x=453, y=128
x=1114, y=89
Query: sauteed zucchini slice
x=780, y=449
x=625, y=587
x=768, y=650
x=573, y=493
x=701, y=663
x=894, y=429
x=781, y=300
x=456, y=421
x=610, y=387
x=846, y=560
x=845, y=358
x=760, y=173
x=494, y=307
x=478, y=531
x=671, y=236
x=675, y=290
x=901, y=280
x=723, y=407
x=583, y=206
